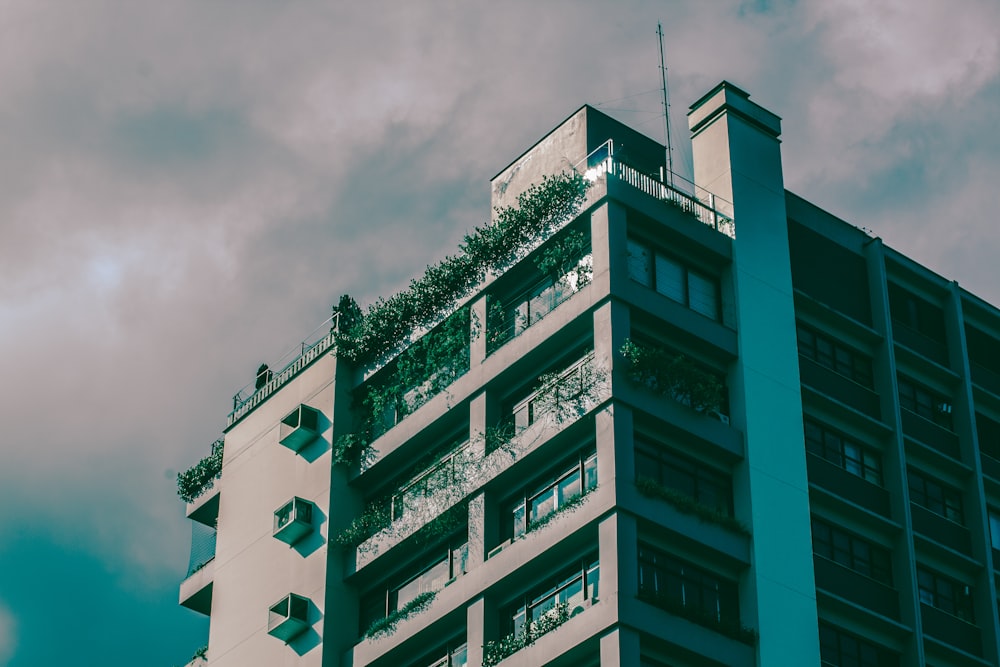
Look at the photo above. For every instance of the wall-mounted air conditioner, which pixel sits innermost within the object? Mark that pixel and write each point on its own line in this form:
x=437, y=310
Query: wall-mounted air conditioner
x=293, y=520
x=288, y=618
x=299, y=428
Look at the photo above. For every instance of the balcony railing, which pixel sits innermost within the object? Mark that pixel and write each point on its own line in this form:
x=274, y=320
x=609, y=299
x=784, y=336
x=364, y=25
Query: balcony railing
x=857, y=588
x=847, y=485
x=839, y=387
x=920, y=343
x=703, y=205
x=936, y=437
x=202, y=547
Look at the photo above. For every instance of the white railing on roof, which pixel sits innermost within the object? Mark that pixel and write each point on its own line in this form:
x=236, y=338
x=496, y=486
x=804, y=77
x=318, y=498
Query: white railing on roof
x=705, y=206
x=317, y=343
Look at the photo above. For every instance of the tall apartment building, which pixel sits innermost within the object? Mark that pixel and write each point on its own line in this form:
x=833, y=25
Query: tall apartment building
x=703, y=424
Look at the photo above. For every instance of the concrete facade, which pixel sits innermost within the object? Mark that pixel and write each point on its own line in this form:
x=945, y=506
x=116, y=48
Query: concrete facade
x=833, y=507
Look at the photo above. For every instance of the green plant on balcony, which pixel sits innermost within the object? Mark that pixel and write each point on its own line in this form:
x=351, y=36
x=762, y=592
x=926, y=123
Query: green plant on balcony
x=688, y=505
x=496, y=651
x=200, y=477
x=387, y=324
x=386, y=626
x=570, y=505
x=374, y=518
x=673, y=375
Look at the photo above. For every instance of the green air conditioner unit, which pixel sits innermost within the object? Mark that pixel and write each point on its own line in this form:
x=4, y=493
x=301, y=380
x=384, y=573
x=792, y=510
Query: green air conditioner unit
x=293, y=520
x=299, y=428
x=288, y=618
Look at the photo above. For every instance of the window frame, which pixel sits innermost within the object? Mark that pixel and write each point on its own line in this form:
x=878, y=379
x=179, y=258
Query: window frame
x=856, y=553
x=701, y=475
x=833, y=446
x=584, y=466
x=945, y=594
x=824, y=350
x=926, y=491
x=587, y=572
x=690, y=301
x=923, y=402
x=661, y=576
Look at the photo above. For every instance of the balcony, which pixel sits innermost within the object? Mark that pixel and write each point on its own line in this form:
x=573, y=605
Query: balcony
x=927, y=432
x=196, y=589
x=985, y=377
x=951, y=630
x=838, y=387
x=857, y=588
x=838, y=481
x=923, y=345
x=991, y=467
x=941, y=530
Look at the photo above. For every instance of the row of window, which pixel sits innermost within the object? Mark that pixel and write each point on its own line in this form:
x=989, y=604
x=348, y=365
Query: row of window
x=701, y=483
x=920, y=400
x=672, y=278
x=835, y=356
x=838, y=648
x=843, y=451
x=851, y=551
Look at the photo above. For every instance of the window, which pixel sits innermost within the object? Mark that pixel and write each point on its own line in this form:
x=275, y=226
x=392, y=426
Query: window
x=913, y=312
x=939, y=498
x=841, y=649
x=574, y=481
x=575, y=588
x=945, y=594
x=442, y=475
x=444, y=565
x=572, y=385
x=995, y=531
x=922, y=401
x=851, y=551
x=668, y=276
x=838, y=358
x=685, y=589
x=703, y=484
x=843, y=452
x=457, y=657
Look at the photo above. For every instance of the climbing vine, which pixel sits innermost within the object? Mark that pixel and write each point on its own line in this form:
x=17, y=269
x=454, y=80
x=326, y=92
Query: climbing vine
x=389, y=322
x=449, y=478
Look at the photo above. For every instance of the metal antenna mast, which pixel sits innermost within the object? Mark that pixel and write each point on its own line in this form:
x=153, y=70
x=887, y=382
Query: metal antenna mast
x=666, y=109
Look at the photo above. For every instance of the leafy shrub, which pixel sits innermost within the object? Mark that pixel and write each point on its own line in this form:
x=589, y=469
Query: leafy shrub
x=200, y=477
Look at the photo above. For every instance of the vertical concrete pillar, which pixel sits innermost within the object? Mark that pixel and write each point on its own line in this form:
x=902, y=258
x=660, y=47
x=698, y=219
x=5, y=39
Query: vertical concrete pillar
x=737, y=156
x=894, y=459
x=482, y=413
x=481, y=627
x=620, y=648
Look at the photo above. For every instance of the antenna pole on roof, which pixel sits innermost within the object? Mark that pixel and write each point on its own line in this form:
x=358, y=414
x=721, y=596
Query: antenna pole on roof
x=666, y=109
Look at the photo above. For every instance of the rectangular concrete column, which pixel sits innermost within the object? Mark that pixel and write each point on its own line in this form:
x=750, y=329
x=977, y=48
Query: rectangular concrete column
x=608, y=238
x=619, y=554
x=620, y=648
x=482, y=413
x=481, y=624
x=737, y=156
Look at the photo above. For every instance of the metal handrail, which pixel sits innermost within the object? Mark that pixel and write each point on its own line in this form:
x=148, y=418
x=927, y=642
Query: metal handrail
x=706, y=206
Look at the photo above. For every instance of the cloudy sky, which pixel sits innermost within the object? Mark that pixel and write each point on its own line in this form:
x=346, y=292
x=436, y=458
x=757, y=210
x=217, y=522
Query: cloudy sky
x=187, y=186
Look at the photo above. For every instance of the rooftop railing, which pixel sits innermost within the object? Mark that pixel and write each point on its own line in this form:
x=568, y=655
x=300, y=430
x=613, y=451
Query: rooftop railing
x=318, y=342
x=674, y=189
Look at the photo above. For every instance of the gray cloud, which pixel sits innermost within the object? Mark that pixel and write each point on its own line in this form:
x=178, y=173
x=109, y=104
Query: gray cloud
x=185, y=189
